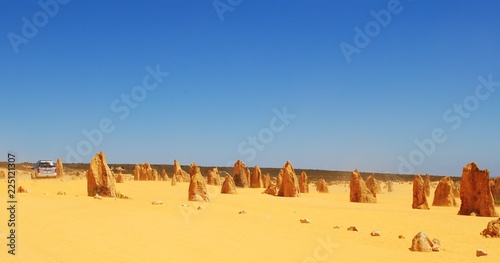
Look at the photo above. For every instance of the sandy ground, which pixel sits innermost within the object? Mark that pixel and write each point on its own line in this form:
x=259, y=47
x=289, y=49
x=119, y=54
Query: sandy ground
x=77, y=228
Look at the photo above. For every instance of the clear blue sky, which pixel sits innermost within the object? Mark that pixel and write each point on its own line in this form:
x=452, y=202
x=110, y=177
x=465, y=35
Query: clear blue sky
x=228, y=77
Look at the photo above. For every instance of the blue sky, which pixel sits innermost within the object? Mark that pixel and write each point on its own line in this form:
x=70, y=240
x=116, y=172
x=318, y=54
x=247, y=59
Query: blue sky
x=231, y=80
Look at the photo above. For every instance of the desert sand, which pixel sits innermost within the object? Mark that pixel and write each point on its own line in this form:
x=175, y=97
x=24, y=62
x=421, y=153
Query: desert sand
x=245, y=227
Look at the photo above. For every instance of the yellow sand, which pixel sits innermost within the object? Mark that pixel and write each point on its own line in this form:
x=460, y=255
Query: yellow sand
x=77, y=228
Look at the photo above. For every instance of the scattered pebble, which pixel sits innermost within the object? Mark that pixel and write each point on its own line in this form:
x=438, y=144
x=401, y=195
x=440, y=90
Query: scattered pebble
x=375, y=233
x=61, y=193
x=157, y=202
x=305, y=221
x=98, y=197
x=45, y=193
x=336, y=227
x=242, y=212
x=184, y=205
x=200, y=207
x=401, y=237
x=352, y=228
x=481, y=252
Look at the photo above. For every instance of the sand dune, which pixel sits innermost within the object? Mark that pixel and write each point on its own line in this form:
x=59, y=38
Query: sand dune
x=77, y=228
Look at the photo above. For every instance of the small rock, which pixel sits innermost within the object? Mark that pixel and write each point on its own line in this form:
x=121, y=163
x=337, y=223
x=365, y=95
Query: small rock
x=61, y=193
x=157, y=202
x=45, y=193
x=305, y=221
x=437, y=244
x=375, y=233
x=336, y=227
x=473, y=214
x=481, y=252
x=352, y=228
x=242, y=212
x=98, y=197
x=200, y=207
x=401, y=237
x=184, y=205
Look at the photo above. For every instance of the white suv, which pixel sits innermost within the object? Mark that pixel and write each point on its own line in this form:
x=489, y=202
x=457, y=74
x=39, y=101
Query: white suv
x=44, y=168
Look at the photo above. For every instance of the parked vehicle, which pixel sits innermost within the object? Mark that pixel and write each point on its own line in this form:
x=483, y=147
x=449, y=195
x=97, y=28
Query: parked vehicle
x=44, y=169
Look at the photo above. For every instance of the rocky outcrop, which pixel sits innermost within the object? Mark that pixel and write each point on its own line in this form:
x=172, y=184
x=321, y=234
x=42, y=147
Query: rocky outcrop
x=271, y=189
x=427, y=185
x=179, y=174
x=154, y=175
x=475, y=192
x=137, y=172
x=279, y=179
x=197, y=188
x=422, y=243
x=358, y=191
x=256, y=178
x=146, y=172
x=228, y=187
x=322, y=186
x=290, y=185
x=390, y=187
x=443, y=195
x=164, y=175
x=266, y=181
x=3, y=175
x=303, y=183
x=495, y=189
x=492, y=229
x=213, y=177
x=240, y=175
x=373, y=185
x=456, y=189
x=100, y=179
x=59, y=168
x=419, y=196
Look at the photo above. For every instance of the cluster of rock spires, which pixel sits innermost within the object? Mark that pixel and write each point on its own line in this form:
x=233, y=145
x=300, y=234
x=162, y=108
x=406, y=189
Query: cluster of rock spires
x=475, y=189
x=359, y=193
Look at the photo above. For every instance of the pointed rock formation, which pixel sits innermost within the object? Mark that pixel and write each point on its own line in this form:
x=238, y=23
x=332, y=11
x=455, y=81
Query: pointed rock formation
x=419, y=197
x=2, y=174
x=146, y=172
x=303, y=183
x=390, y=187
x=290, y=185
x=256, y=178
x=266, y=181
x=197, y=187
x=154, y=175
x=279, y=179
x=228, y=187
x=443, y=195
x=475, y=192
x=373, y=185
x=179, y=174
x=59, y=168
x=137, y=172
x=213, y=177
x=164, y=175
x=427, y=185
x=358, y=191
x=100, y=179
x=322, y=187
x=240, y=174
